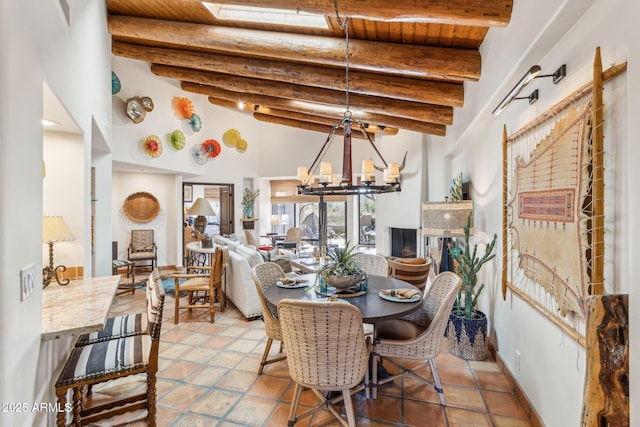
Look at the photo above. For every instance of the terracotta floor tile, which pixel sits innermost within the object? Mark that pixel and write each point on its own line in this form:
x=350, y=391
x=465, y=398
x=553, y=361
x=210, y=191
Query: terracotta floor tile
x=226, y=359
x=217, y=403
x=463, y=397
x=457, y=376
x=179, y=370
x=268, y=386
x=237, y=381
x=208, y=377
x=252, y=410
x=493, y=381
x=183, y=396
x=196, y=420
x=218, y=342
x=243, y=345
x=503, y=404
x=465, y=418
x=199, y=355
x=382, y=409
x=423, y=414
x=280, y=416
x=500, y=421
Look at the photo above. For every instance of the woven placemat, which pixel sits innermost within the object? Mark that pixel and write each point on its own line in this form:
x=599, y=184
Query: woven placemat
x=350, y=294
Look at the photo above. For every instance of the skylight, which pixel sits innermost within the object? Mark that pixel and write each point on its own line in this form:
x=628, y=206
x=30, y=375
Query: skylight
x=266, y=15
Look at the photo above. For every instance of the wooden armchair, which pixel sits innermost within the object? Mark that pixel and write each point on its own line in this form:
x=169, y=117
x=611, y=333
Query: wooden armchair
x=143, y=248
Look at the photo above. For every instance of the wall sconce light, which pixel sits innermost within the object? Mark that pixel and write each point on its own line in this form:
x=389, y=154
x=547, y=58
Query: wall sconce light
x=533, y=73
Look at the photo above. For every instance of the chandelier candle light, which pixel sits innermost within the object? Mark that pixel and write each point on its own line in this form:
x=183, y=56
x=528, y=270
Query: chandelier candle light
x=332, y=184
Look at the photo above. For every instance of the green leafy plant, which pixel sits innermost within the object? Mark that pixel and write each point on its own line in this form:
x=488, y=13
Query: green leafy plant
x=249, y=197
x=341, y=263
x=469, y=264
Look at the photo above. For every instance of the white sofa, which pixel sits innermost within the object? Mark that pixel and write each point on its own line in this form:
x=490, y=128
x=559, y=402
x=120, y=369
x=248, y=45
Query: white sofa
x=240, y=288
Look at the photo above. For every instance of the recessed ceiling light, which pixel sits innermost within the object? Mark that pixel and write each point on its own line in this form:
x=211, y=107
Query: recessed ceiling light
x=241, y=105
x=46, y=122
x=266, y=15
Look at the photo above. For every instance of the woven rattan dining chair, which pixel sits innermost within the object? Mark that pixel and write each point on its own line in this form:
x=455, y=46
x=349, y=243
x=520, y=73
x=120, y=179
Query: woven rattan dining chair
x=327, y=352
x=372, y=264
x=109, y=360
x=264, y=275
x=412, y=270
x=417, y=336
x=292, y=240
x=203, y=290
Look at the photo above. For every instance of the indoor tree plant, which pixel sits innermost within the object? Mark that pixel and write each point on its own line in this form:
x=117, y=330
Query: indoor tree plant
x=248, y=199
x=467, y=328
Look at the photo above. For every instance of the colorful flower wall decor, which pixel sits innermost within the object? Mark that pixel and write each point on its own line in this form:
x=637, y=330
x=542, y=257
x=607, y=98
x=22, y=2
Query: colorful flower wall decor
x=153, y=146
x=211, y=148
x=232, y=138
x=184, y=108
x=177, y=139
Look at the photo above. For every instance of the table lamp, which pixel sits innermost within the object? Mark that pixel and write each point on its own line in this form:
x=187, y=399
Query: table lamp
x=446, y=219
x=275, y=222
x=54, y=229
x=202, y=208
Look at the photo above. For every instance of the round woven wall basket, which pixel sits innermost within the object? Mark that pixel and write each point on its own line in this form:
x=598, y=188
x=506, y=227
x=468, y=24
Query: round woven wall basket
x=141, y=207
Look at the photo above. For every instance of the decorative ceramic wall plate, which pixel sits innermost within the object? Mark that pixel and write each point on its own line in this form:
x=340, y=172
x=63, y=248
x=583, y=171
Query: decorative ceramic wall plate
x=198, y=156
x=153, y=146
x=211, y=148
x=177, y=139
x=141, y=207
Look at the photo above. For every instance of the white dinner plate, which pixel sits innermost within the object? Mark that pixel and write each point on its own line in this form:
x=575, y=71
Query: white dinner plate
x=300, y=283
x=414, y=298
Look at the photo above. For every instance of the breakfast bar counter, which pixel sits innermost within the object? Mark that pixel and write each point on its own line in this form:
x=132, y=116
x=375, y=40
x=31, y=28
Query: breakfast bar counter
x=80, y=307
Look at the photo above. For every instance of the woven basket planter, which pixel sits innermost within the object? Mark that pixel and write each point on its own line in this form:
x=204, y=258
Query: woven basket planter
x=468, y=337
x=344, y=282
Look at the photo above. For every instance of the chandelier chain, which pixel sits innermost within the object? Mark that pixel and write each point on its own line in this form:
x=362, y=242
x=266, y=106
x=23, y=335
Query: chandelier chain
x=344, y=26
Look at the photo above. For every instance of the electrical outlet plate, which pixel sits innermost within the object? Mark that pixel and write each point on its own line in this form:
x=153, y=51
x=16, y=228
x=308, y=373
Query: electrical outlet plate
x=27, y=281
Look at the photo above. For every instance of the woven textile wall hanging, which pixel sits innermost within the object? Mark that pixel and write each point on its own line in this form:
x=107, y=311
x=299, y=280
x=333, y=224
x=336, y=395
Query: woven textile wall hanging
x=553, y=218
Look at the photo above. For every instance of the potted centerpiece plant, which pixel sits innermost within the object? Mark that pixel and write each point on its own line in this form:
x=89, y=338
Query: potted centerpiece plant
x=341, y=271
x=248, y=199
x=467, y=329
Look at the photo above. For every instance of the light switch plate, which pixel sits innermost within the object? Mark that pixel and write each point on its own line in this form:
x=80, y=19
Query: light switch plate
x=27, y=281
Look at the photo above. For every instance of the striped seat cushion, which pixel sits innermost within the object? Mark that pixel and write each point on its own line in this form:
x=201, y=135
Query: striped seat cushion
x=106, y=358
x=117, y=327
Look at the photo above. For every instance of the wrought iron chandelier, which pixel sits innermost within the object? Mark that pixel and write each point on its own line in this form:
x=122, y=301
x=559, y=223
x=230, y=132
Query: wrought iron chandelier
x=329, y=183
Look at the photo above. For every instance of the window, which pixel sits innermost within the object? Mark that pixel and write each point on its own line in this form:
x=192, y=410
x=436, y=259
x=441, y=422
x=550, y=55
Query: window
x=367, y=219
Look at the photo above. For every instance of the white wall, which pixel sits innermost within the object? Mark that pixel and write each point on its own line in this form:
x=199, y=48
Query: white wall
x=552, y=366
x=63, y=193
x=72, y=62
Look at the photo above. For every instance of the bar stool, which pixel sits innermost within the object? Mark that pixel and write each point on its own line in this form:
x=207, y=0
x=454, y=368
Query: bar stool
x=113, y=359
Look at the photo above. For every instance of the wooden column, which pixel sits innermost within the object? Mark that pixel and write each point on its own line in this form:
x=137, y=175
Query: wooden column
x=606, y=386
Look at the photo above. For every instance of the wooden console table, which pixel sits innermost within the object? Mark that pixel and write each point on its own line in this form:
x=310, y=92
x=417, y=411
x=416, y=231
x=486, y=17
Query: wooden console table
x=78, y=308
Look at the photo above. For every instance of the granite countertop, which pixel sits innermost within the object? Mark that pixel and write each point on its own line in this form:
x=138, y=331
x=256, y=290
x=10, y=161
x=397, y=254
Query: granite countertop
x=78, y=308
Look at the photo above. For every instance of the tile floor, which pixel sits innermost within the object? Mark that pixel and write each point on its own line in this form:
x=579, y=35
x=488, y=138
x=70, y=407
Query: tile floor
x=208, y=377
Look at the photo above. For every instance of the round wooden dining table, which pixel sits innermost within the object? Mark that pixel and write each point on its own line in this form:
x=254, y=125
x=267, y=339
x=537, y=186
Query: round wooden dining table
x=373, y=307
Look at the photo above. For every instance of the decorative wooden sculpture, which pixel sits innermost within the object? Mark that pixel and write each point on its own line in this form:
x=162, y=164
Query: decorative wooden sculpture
x=606, y=386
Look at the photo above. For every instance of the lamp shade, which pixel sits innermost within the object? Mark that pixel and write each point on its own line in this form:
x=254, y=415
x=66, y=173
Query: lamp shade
x=55, y=229
x=446, y=219
x=275, y=220
x=201, y=207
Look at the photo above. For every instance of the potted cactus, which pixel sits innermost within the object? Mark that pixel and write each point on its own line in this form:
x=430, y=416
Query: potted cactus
x=467, y=329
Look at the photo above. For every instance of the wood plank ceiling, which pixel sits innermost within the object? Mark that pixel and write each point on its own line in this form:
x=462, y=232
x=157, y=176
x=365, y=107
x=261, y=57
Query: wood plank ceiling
x=408, y=58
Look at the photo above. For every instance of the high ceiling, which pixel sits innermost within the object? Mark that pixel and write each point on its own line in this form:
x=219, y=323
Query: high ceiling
x=408, y=58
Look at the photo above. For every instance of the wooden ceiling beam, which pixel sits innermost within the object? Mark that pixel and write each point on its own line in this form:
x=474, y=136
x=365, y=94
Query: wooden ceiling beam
x=405, y=88
x=316, y=127
x=380, y=57
x=231, y=99
x=392, y=107
x=484, y=13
